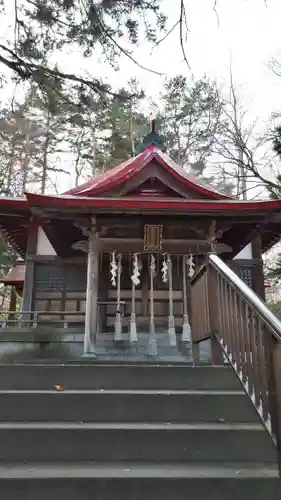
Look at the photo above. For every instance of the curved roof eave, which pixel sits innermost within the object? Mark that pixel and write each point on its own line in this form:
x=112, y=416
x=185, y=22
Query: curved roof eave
x=121, y=173
x=147, y=203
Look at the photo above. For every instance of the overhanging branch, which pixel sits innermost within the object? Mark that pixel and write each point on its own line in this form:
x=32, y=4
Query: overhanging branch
x=28, y=70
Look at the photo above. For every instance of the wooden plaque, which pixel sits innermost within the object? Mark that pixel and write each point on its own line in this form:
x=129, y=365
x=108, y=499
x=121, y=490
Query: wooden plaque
x=153, y=238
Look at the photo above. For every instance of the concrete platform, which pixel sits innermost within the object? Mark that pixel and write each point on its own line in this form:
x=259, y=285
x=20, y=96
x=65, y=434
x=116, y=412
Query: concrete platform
x=71, y=347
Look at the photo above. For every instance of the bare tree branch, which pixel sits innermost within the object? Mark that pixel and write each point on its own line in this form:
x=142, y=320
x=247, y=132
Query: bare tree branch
x=216, y=12
x=181, y=20
x=165, y=36
x=240, y=148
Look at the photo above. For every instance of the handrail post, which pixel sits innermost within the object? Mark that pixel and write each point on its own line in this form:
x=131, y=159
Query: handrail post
x=213, y=303
x=277, y=405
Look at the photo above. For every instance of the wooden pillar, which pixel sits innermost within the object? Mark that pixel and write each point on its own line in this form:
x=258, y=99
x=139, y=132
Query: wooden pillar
x=28, y=289
x=258, y=275
x=118, y=318
x=91, y=316
x=12, y=305
x=145, y=294
x=171, y=326
x=152, y=343
x=103, y=293
x=213, y=301
x=134, y=278
x=186, y=330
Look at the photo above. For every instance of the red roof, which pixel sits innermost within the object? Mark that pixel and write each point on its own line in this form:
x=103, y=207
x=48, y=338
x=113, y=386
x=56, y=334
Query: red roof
x=15, y=275
x=140, y=203
x=97, y=193
x=186, y=195
x=122, y=173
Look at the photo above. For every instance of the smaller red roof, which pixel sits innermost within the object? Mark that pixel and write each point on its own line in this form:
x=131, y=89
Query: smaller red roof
x=122, y=173
x=15, y=275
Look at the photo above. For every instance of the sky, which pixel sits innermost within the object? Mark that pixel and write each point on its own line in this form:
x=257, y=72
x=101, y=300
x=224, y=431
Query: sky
x=247, y=31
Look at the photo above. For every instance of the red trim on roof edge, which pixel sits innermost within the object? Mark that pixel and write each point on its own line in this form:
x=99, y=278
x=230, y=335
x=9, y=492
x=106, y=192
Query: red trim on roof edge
x=121, y=173
x=13, y=202
x=147, y=204
x=6, y=281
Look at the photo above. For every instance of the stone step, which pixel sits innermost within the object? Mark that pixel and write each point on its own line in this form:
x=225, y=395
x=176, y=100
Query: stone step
x=126, y=406
x=117, y=376
x=98, y=442
x=135, y=481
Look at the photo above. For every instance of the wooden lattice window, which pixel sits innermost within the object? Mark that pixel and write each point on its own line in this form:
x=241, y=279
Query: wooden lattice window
x=245, y=273
x=153, y=238
x=52, y=278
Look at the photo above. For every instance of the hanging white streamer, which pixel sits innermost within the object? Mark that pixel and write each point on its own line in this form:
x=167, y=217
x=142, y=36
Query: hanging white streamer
x=190, y=265
x=164, y=271
x=136, y=271
x=153, y=266
x=113, y=269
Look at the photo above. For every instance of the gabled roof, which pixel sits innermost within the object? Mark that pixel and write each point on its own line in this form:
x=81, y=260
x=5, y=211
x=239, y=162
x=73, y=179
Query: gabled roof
x=121, y=174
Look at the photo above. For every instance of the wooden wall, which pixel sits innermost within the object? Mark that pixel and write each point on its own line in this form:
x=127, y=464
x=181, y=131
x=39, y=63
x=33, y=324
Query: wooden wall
x=62, y=287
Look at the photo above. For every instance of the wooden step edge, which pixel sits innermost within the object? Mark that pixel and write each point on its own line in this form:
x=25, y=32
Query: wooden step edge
x=126, y=392
x=133, y=426
x=151, y=470
x=114, y=364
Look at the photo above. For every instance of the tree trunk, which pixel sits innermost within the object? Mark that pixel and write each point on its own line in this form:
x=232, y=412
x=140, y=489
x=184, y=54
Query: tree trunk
x=113, y=130
x=26, y=157
x=45, y=155
x=78, y=156
x=94, y=154
x=133, y=149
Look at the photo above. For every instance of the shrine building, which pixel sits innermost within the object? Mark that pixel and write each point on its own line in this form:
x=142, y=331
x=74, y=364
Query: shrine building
x=117, y=255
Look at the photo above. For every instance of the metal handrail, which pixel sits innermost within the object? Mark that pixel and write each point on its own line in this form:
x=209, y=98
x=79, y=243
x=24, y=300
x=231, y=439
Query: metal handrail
x=270, y=319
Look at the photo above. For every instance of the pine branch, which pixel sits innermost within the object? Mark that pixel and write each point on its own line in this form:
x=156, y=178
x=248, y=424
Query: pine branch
x=105, y=30
x=28, y=71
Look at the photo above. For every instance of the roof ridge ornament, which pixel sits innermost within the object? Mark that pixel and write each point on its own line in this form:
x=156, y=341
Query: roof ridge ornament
x=153, y=138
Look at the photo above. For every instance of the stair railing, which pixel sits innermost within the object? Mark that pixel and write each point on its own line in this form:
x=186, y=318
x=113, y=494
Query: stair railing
x=245, y=332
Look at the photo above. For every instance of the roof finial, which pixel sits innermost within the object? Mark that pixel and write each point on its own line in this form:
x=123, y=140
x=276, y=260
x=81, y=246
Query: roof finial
x=152, y=139
x=153, y=126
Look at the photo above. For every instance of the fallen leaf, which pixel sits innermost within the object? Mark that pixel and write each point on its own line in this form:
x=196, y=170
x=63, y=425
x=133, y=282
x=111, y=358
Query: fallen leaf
x=59, y=388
